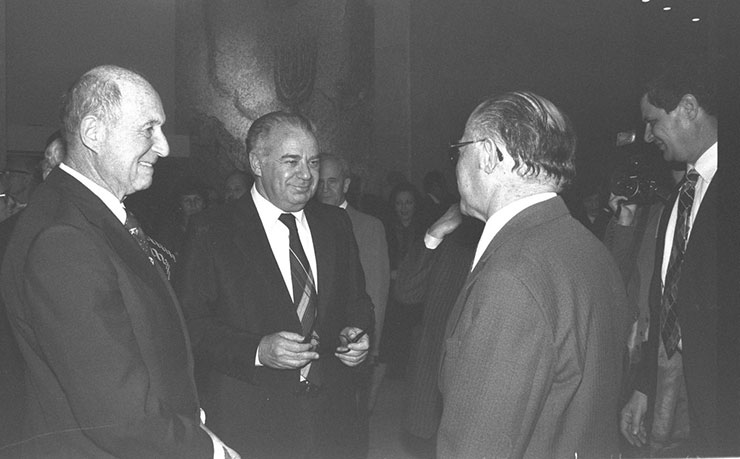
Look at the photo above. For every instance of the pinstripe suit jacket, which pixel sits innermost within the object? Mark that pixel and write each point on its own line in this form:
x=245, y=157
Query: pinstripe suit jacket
x=532, y=357
x=434, y=278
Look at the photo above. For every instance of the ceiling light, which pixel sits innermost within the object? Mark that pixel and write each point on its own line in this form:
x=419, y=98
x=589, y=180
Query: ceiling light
x=645, y=1
x=666, y=8
x=695, y=19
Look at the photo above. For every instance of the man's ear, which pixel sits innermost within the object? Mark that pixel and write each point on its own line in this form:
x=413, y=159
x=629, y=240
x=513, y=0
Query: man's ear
x=345, y=187
x=92, y=133
x=490, y=156
x=689, y=106
x=255, y=165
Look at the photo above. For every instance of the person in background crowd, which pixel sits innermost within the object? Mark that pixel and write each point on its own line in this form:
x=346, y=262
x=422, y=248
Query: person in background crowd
x=334, y=181
x=402, y=230
x=274, y=296
x=432, y=273
x=20, y=179
x=236, y=185
x=190, y=198
x=108, y=366
x=436, y=198
x=532, y=358
x=54, y=153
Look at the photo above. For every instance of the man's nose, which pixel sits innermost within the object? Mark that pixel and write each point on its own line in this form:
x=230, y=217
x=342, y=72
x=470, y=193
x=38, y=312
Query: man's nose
x=161, y=147
x=648, y=134
x=304, y=171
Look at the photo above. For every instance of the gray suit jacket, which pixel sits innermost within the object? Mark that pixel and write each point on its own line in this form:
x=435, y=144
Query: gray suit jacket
x=373, y=248
x=532, y=357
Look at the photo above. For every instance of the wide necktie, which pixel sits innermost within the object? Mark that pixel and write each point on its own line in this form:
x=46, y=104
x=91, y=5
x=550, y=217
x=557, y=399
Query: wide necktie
x=669, y=328
x=304, y=291
x=134, y=229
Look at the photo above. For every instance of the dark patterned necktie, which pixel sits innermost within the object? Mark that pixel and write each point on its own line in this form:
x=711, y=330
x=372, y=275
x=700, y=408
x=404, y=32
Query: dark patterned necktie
x=669, y=328
x=134, y=229
x=304, y=289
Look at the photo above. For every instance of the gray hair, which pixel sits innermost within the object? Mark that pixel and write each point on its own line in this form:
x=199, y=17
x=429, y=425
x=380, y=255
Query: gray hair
x=536, y=134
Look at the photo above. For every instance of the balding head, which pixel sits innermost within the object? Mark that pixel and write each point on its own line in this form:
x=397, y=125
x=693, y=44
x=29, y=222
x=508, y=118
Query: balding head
x=334, y=179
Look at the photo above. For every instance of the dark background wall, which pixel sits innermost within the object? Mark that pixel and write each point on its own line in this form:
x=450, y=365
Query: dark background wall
x=392, y=81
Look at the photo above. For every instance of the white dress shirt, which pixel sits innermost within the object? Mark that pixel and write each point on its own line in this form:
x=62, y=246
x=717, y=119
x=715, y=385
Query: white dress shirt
x=278, y=235
x=706, y=166
x=501, y=217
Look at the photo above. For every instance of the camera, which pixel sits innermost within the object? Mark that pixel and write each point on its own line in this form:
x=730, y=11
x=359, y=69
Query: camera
x=637, y=181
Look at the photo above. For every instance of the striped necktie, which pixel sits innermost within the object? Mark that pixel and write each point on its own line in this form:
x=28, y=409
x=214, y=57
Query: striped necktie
x=669, y=328
x=304, y=289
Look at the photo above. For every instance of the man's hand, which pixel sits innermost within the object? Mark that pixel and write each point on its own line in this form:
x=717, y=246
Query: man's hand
x=353, y=353
x=285, y=351
x=632, y=421
x=625, y=213
x=446, y=223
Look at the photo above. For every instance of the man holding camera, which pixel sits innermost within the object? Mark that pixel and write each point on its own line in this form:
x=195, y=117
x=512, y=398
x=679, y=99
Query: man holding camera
x=682, y=396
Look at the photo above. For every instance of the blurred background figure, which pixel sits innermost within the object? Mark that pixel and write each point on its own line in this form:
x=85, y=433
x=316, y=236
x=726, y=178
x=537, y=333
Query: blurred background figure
x=54, y=153
x=334, y=182
x=437, y=199
x=236, y=184
x=189, y=198
x=403, y=228
x=432, y=273
x=19, y=179
x=11, y=361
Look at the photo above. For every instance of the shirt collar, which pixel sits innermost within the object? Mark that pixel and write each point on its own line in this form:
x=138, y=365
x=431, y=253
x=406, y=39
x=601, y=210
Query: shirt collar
x=344, y=204
x=502, y=216
x=108, y=198
x=269, y=212
x=706, y=165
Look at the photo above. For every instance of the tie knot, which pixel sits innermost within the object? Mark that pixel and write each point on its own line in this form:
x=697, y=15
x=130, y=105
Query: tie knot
x=131, y=221
x=289, y=221
x=692, y=176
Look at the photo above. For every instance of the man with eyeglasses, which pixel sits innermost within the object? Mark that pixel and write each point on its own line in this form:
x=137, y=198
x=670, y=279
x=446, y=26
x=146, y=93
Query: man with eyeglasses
x=531, y=364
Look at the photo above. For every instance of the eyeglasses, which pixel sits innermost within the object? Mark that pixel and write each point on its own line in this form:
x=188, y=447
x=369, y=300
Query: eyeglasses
x=455, y=148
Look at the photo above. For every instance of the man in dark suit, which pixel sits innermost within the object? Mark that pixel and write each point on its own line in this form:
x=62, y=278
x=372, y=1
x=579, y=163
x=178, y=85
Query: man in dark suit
x=433, y=273
x=108, y=365
x=531, y=364
x=686, y=397
x=253, y=270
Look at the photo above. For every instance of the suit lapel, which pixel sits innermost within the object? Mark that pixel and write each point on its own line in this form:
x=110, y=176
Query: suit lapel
x=252, y=241
x=99, y=216
x=326, y=252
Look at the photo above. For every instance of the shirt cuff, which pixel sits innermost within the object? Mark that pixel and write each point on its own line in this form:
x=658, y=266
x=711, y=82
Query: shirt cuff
x=218, y=446
x=431, y=242
x=257, y=362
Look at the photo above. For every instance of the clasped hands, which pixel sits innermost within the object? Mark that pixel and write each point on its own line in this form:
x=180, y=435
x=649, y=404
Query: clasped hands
x=287, y=351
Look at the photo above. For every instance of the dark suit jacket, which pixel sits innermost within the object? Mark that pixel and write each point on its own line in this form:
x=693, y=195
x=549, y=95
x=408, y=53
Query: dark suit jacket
x=233, y=294
x=434, y=278
x=533, y=356
x=705, y=344
x=109, y=370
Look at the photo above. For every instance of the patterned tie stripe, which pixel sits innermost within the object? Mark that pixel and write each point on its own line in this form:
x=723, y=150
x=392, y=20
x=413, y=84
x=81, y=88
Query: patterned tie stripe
x=670, y=330
x=304, y=292
x=132, y=226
